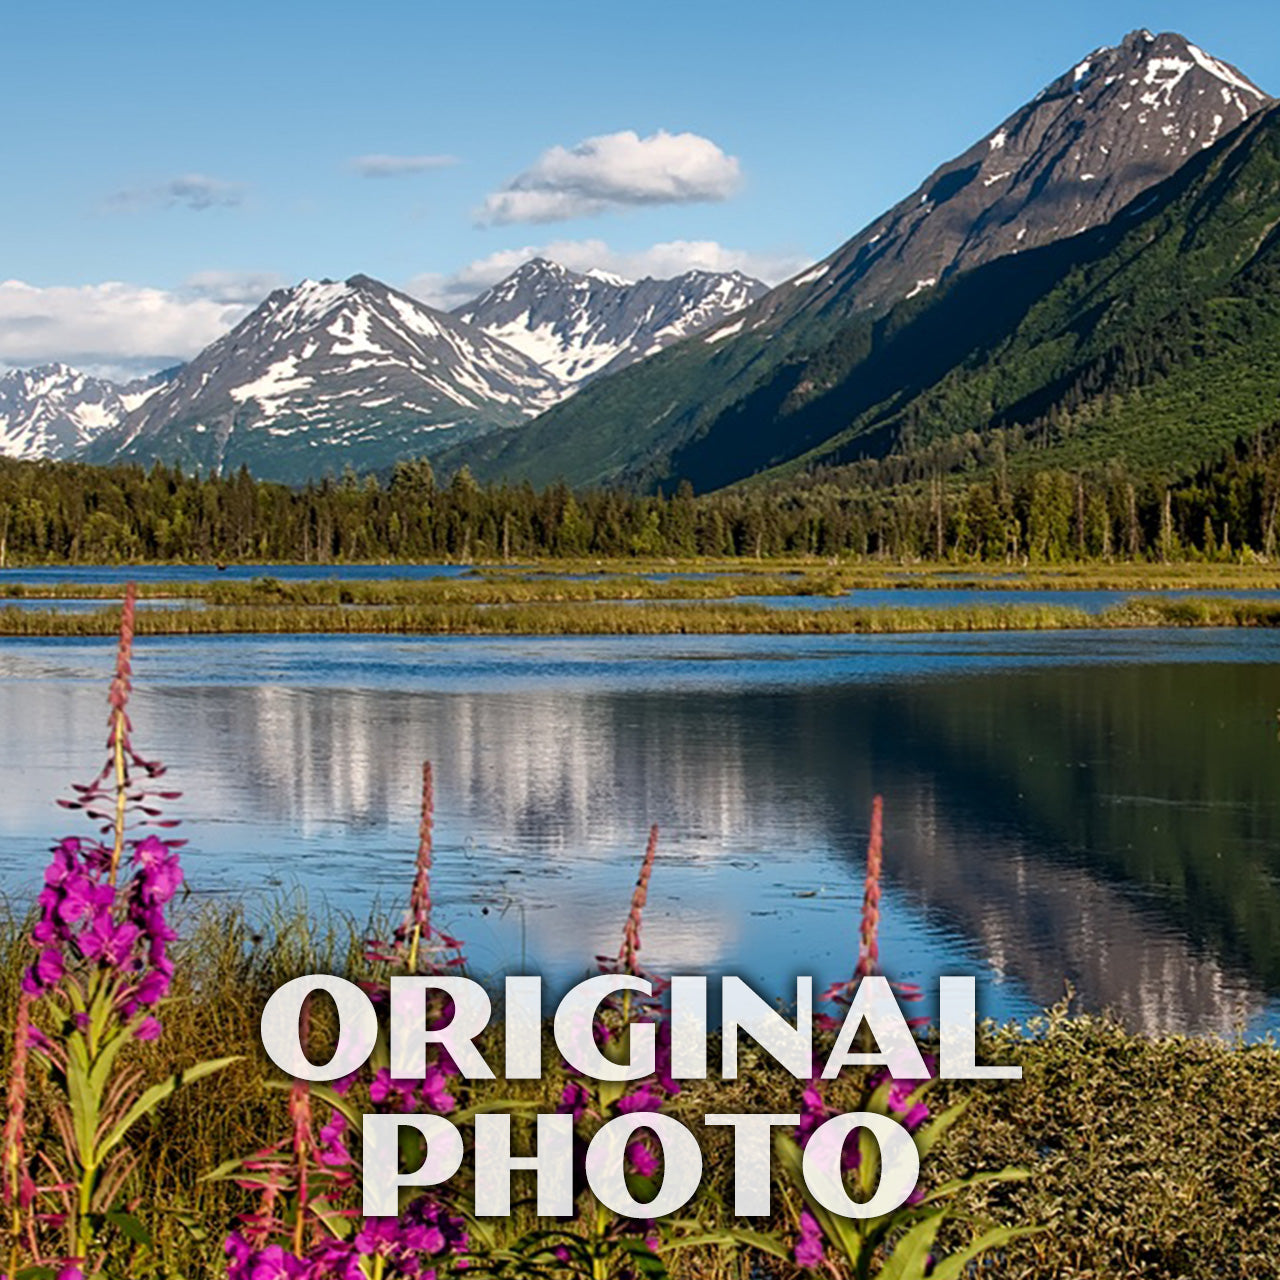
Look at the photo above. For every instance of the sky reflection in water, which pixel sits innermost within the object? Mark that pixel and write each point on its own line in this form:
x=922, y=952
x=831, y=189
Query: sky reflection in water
x=1092, y=806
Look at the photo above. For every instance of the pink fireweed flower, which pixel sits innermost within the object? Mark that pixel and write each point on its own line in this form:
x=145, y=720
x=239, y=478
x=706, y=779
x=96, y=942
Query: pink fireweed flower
x=868, y=939
x=316, y=1166
x=809, y=1251
x=641, y=1160
x=575, y=1100
x=643, y=1098
x=148, y=1029
x=107, y=941
x=45, y=974
x=271, y=1263
x=13, y=1139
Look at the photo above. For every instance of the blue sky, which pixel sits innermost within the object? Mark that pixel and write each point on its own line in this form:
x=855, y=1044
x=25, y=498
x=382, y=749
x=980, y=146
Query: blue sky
x=168, y=164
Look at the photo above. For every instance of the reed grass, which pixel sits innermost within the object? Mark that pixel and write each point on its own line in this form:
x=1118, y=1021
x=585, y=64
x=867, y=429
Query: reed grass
x=601, y=618
x=594, y=579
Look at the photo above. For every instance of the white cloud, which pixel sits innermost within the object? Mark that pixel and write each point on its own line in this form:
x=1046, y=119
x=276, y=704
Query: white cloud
x=671, y=258
x=380, y=166
x=191, y=190
x=113, y=328
x=614, y=171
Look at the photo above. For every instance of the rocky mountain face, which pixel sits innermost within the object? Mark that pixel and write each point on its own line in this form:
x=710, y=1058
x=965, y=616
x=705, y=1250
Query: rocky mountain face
x=1084, y=151
x=580, y=325
x=54, y=411
x=328, y=374
x=1084, y=148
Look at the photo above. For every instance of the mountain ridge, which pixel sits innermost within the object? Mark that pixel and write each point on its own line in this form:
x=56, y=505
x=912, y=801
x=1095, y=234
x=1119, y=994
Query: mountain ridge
x=327, y=374
x=585, y=325
x=632, y=428
x=55, y=411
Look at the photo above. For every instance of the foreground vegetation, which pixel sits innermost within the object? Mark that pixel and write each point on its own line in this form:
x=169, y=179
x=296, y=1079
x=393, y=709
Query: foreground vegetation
x=702, y=578
x=1148, y=1157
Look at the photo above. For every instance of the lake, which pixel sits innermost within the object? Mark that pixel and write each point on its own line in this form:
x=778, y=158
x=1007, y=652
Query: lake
x=1092, y=807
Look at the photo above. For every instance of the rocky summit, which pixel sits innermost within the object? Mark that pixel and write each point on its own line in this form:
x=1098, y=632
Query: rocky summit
x=1084, y=148
x=580, y=325
x=329, y=374
x=1084, y=153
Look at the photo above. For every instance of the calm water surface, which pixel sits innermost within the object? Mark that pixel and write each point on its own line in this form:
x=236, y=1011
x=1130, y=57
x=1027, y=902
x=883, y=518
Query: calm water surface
x=1098, y=807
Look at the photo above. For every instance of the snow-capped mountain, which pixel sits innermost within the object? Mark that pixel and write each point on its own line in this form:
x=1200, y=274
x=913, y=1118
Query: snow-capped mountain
x=55, y=411
x=327, y=374
x=1083, y=149
x=1088, y=149
x=579, y=325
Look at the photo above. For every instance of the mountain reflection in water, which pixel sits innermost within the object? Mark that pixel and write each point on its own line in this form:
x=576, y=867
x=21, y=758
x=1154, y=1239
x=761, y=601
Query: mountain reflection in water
x=1111, y=825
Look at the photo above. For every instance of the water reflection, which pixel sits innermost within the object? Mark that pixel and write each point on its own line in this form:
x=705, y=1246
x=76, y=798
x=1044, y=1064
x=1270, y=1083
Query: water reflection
x=1049, y=817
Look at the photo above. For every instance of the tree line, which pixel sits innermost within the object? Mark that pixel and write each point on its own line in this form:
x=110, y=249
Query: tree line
x=58, y=512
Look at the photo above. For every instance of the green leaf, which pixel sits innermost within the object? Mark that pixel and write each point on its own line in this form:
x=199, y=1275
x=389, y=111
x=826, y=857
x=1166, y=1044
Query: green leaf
x=955, y=1264
x=128, y=1226
x=910, y=1255
x=761, y=1240
x=950, y=1188
x=928, y=1137
x=513, y=1105
x=157, y=1094
x=340, y=1104
x=84, y=1110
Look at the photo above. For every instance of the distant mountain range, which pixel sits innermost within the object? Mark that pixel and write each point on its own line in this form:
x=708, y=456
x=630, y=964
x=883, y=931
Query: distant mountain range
x=1090, y=280
x=54, y=411
x=329, y=374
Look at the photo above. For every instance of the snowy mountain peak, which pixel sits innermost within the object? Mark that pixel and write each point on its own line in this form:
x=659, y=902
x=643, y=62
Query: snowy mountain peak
x=55, y=411
x=1154, y=68
x=1113, y=125
x=597, y=273
x=579, y=325
x=326, y=373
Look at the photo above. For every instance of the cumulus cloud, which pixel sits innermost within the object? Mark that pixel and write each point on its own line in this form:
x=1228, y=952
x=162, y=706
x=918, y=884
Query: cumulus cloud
x=380, y=166
x=614, y=171
x=188, y=190
x=661, y=261
x=113, y=329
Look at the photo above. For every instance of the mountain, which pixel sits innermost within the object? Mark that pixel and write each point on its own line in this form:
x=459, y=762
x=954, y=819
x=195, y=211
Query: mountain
x=54, y=411
x=1153, y=340
x=327, y=374
x=579, y=326
x=716, y=408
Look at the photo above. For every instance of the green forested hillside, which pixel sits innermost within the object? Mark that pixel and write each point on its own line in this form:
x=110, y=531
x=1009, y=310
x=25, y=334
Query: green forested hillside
x=1154, y=340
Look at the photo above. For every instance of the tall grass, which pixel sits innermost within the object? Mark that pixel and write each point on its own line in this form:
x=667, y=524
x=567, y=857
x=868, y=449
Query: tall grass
x=640, y=619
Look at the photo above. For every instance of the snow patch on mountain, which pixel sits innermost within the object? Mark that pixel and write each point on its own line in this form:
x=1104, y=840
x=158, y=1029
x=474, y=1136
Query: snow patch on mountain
x=329, y=374
x=55, y=411
x=580, y=325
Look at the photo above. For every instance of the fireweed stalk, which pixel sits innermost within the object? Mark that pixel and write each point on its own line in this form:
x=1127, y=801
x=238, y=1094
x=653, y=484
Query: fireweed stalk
x=100, y=973
x=606, y=1246
x=833, y=1245
x=306, y=1226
